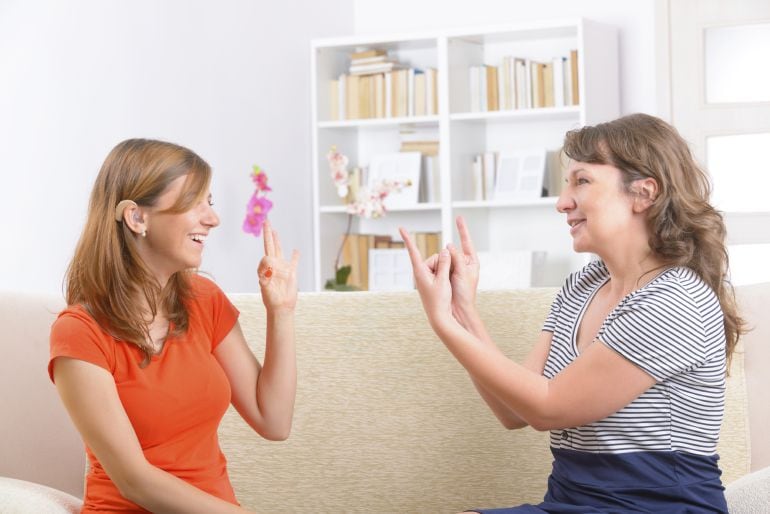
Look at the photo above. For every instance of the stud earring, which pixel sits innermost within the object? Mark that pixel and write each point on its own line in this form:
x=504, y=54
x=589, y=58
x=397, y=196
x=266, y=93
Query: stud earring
x=144, y=233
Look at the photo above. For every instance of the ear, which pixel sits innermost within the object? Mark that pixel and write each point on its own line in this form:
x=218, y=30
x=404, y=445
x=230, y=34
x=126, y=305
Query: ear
x=133, y=218
x=645, y=192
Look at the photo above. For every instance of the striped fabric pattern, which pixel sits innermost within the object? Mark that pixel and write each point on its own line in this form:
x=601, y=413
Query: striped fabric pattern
x=673, y=329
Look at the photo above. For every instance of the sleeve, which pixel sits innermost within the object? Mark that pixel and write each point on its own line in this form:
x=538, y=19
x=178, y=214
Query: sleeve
x=76, y=335
x=221, y=314
x=660, y=330
x=551, y=320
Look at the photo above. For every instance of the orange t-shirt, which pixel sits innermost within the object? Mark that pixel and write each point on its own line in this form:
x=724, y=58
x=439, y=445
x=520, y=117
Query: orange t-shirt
x=175, y=403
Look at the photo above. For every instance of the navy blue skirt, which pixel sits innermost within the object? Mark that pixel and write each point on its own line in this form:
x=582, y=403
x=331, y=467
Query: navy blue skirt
x=602, y=483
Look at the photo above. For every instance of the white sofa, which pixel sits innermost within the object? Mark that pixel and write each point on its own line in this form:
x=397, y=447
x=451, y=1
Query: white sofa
x=386, y=420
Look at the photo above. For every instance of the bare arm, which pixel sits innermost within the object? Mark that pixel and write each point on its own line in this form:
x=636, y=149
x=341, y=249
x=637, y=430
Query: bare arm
x=598, y=383
x=91, y=399
x=264, y=396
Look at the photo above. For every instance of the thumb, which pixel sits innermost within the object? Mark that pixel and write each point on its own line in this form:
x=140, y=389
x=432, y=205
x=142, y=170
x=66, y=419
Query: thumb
x=444, y=263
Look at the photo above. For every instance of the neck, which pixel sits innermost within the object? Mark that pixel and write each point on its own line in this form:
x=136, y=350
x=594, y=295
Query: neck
x=627, y=274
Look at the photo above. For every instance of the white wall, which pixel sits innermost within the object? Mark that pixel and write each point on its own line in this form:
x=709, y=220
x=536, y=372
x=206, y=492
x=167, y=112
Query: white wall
x=640, y=74
x=227, y=78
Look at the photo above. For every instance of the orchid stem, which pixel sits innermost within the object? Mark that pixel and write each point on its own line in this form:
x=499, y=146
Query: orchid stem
x=342, y=245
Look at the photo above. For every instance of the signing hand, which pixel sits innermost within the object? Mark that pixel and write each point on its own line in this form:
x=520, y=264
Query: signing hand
x=277, y=277
x=432, y=283
x=465, y=271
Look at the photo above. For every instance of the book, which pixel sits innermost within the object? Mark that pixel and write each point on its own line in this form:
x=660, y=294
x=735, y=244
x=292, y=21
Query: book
x=349, y=257
x=424, y=147
x=430, y=181
x=522, y=84
x=388, y=93
x=420, y=107
x=493, y=103
x=477, y=176
x=489, y=167
x=573, y=57
x=365, y=242
x=365, y=54
x=351, y=97
x=558, y=81
x=431, y=91
x=370, y=69
x=548, y=93
x=342, y=100
x=410, y=91
x=368, y=60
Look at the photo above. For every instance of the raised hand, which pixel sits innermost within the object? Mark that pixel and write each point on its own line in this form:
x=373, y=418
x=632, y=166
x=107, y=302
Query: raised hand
x=464, y=275
x=432, y=282
x=277, y=277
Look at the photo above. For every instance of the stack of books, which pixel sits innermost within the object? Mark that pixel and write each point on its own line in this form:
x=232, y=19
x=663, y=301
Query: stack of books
x=519, y=83
x=377, y=86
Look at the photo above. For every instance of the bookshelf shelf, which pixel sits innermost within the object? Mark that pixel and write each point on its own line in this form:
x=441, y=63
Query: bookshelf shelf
x=380, y=122
x=341, y=209
x=542, y=113
x=548, y=201
x=458, y=131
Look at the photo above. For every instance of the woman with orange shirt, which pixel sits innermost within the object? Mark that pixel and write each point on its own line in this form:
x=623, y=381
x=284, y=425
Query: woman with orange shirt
x=148, y=355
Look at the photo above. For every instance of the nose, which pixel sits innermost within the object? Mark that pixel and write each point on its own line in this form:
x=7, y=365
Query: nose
x=210, y=218
x=565, y=203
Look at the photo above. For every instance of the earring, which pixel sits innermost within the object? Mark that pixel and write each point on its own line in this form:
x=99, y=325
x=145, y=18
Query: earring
x=144, y=233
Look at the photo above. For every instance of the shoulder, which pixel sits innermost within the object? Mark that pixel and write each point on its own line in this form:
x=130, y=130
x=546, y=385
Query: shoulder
x=203, y=290
x=585, y=279
x=75, y=320
x=677, y=289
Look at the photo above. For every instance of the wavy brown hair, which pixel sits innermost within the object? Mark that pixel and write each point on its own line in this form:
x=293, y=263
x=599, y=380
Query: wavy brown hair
x=106, y=275
x=685, y=230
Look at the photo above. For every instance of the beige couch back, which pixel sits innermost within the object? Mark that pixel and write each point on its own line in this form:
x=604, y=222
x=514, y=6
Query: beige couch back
x=386, y=420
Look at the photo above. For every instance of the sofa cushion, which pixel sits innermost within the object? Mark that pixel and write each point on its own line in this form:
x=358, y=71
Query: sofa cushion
x=22, y=497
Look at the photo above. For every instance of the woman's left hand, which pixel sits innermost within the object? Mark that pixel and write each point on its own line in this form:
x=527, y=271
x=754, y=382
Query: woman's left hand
x=432, y=283
x=277, y=277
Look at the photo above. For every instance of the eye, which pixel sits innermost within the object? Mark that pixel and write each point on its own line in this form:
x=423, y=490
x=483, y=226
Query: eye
x=210, y=201
x=581, y=181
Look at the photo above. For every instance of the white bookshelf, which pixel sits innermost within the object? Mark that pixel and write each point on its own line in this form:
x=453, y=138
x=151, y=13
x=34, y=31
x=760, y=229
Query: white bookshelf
x=495, y=225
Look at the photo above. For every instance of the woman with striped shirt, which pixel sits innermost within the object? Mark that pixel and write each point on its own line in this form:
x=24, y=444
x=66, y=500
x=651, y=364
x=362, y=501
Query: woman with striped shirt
x=628, y=373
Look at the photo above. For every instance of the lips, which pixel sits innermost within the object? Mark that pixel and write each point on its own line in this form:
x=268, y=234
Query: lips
x=198, y=238
x=575, y=224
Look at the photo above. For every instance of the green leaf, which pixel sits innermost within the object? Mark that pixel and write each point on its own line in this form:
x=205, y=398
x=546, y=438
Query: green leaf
x=342, y=275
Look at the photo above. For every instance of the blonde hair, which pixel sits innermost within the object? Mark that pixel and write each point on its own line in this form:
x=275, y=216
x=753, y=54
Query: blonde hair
x=107, y=275
x=684, y=228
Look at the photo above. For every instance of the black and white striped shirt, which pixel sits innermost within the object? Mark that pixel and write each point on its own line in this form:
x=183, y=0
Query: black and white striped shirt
x=673, y=329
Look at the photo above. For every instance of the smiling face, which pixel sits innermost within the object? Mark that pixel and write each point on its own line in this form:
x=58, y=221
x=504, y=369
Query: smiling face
x=175, y=241
x=600, y=212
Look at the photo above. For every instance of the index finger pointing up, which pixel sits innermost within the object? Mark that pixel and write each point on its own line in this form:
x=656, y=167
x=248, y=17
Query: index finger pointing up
x=465, y=238
x=267, y=234
x=414, y=253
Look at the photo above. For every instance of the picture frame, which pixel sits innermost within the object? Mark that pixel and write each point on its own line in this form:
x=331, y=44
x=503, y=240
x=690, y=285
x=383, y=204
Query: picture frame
x=399, y=166
x=520, y=174
x=390, y=270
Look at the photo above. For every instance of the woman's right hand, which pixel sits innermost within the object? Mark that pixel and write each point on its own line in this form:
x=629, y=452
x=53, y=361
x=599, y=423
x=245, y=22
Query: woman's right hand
x=277, y=277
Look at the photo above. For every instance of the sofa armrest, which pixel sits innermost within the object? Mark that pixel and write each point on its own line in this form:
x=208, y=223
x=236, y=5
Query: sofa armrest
x=749, y=494
x=20, y=496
